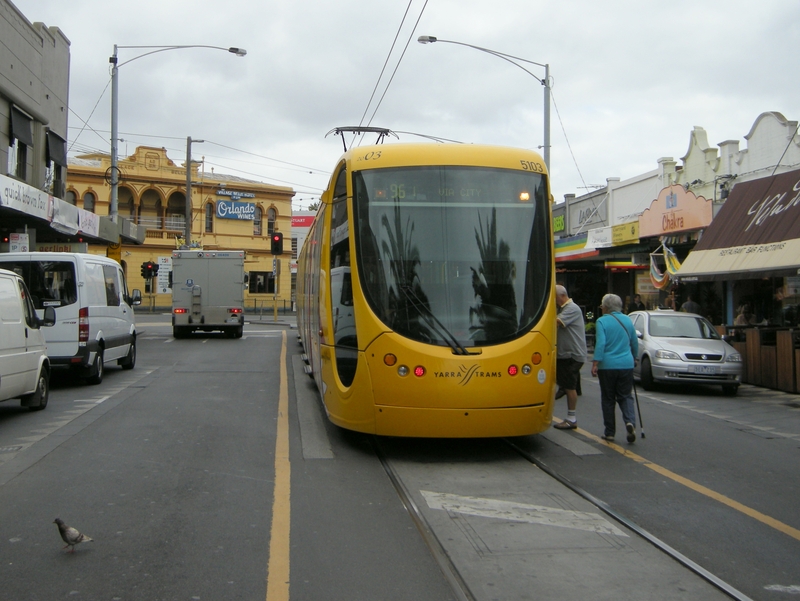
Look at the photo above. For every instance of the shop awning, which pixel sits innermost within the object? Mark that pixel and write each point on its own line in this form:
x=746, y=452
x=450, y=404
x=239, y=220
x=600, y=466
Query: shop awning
x=755, y=234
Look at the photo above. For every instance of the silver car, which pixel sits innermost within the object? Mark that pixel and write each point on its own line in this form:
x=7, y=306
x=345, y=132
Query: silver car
x=684, y=348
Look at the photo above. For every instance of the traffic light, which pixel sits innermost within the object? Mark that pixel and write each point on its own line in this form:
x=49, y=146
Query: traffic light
x=277, y=243
x=149, y=269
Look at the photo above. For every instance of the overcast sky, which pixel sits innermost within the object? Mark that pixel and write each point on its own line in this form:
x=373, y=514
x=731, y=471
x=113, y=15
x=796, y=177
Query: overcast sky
x=630, y=78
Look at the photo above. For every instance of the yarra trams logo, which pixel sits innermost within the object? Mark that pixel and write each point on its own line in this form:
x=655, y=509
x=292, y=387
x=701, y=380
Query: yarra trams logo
x=466, y=374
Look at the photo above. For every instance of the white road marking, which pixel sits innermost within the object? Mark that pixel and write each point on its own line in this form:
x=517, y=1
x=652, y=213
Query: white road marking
x=779, y=588
x=521, y=512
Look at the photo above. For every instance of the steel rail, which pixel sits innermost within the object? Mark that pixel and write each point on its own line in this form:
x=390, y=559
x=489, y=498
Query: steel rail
x=651, y=538
x=449, y=570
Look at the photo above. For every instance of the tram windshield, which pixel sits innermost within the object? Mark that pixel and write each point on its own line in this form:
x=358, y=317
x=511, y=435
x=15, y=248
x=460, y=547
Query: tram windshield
x=451, y=255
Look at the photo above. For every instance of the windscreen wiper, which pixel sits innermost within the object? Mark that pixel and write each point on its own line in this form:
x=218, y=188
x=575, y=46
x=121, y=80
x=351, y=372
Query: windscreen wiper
x=433, y=321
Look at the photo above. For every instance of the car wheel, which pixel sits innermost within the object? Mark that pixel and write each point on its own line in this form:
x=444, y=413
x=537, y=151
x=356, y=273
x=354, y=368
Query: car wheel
x=647, y=375
x=37, y=400
x=130, y=359
x=98, y=368
x=730, y=389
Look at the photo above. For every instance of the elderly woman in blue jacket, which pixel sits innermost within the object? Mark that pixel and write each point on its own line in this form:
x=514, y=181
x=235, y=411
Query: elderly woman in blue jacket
x=616, y=346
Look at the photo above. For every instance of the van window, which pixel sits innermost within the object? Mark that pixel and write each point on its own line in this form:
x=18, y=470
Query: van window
x=27, y=306
x=112, y=287
x=95, y=285
x=51, y=283
x=9, y=305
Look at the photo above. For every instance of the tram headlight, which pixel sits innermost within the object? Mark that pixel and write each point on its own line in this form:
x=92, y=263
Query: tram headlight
x=402, y=370
x=526, y=369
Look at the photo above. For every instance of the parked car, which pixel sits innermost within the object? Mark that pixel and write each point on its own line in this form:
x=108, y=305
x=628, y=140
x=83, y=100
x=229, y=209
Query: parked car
x=95, y=312
x=679, y=347
x=24, y=366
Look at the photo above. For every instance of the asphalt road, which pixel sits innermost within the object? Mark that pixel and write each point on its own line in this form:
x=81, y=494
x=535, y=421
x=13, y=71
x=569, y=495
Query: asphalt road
x=176, y=467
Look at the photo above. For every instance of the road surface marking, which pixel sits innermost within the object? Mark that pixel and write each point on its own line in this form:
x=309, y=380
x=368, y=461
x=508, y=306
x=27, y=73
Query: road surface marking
x=278, y=566
x=740, y=507
x=521, y=512
x=779, y=588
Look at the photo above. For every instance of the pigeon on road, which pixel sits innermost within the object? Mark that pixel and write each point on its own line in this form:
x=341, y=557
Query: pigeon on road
x=70, y=536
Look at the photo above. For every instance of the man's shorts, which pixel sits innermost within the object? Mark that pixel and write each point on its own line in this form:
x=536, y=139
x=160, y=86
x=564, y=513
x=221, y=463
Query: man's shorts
x=567, y=373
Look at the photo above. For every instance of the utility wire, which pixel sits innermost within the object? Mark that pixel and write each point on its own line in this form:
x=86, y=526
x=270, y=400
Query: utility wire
x=785, y=150
x=386, y=62
x=397, y=66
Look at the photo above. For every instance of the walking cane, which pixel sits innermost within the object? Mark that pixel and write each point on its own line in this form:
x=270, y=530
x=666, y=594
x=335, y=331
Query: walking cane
x=639, y=409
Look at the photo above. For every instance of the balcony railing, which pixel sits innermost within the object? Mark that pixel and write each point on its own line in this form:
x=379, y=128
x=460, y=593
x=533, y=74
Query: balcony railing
x=170, y=222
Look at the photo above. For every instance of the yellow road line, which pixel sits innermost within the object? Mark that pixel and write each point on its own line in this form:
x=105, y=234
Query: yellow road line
x=749, y=511
x=278, y=567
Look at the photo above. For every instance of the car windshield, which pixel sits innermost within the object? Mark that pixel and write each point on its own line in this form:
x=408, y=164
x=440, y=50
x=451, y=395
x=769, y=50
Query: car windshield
x=674, y=326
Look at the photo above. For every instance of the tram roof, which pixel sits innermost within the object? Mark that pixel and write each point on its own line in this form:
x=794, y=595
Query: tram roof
x=413, y=154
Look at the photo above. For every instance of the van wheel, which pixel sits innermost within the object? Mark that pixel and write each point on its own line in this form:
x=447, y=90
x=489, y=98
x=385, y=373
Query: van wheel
x=130, y=359
x=237, y=332
x=98, y=369
x=180, y=331
x=37, y=400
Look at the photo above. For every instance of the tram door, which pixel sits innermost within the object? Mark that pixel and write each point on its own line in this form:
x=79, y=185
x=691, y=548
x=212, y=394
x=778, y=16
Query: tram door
x=345, y=339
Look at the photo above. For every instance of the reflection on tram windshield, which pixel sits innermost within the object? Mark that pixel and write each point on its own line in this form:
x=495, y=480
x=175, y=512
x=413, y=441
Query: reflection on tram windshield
x=453, y=255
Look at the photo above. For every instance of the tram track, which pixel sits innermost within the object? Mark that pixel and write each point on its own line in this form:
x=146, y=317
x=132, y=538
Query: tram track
x=649, y=537
x=448, y=568
x=451, y=572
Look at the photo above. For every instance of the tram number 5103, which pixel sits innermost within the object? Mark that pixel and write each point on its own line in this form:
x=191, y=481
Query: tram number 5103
x=531, y=166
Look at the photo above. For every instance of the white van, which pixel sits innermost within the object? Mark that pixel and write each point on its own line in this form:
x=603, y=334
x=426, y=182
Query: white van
x=24, y=367
x=95, y=321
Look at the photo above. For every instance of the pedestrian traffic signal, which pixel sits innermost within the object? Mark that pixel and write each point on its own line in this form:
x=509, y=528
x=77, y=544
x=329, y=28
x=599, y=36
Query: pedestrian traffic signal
x=277, y=243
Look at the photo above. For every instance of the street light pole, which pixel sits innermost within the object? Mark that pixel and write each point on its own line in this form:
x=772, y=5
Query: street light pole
x=188, y=225
x=114, y=175
x=429, y=39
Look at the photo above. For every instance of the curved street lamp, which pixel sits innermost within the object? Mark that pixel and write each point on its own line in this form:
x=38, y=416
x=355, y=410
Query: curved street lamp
x=429, y=39
x=114, y=175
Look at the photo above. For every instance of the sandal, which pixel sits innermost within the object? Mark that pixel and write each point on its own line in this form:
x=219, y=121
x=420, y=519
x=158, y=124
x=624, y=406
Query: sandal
x=566, y=425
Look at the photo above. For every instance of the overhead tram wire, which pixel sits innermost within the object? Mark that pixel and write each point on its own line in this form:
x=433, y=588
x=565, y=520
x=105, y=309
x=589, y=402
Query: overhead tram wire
x=397, y=66
x=383, y=69
x=377, y=83
x=595, y=208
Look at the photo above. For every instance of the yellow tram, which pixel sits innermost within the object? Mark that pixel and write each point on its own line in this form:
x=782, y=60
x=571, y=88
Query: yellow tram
x=425, y=292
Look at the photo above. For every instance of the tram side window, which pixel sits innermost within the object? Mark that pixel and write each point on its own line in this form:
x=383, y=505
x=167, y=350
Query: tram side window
x=342, y=309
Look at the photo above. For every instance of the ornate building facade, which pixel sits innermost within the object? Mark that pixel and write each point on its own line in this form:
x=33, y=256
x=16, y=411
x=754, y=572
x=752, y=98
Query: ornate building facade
x=227, y=213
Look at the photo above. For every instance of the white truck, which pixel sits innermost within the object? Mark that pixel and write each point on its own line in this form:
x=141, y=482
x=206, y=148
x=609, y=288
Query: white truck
x=208, y=292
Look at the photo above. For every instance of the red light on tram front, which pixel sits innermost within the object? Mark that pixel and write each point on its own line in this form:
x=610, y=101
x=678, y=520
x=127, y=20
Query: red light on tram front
x=513, y=370
x=419, y=371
